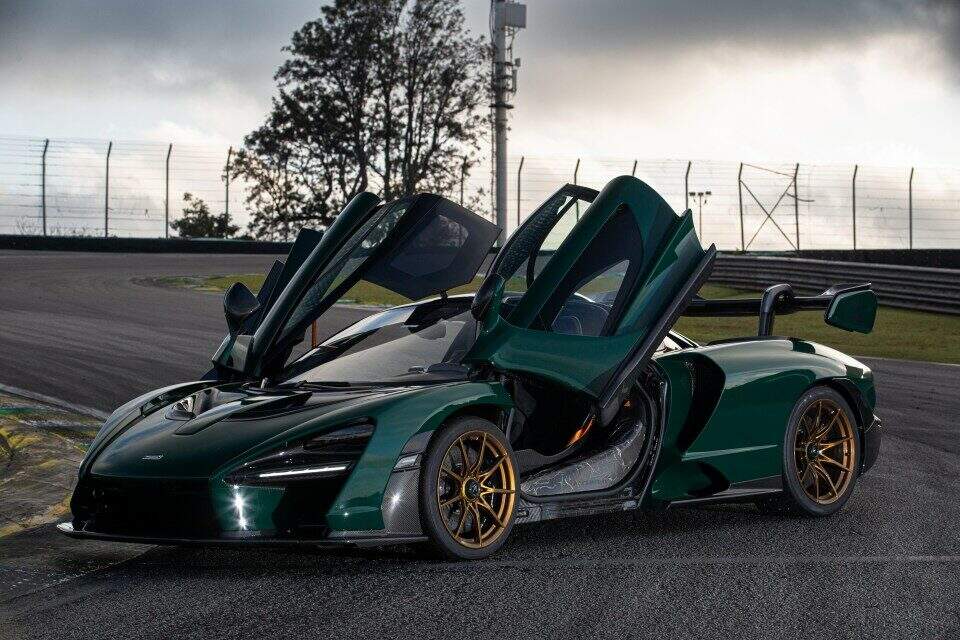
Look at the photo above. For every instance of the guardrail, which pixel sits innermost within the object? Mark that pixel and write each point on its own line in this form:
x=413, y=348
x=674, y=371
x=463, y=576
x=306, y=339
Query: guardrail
x=920, y=288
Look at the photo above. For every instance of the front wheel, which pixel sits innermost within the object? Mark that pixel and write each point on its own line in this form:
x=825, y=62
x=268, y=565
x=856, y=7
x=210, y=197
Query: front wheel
x=468, y=486
x=821, y=455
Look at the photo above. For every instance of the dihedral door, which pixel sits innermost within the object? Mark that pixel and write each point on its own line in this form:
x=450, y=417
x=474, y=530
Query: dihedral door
x=417, y=246
x=582, y=316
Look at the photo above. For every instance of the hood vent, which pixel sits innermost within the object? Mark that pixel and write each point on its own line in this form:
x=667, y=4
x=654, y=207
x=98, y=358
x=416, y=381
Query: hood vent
x=233, y=407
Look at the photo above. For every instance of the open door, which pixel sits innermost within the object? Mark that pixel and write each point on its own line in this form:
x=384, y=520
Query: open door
x=418, y=246
x=591, y=317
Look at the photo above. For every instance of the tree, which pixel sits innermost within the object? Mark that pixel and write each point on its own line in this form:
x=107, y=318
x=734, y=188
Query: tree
x=380, y=95
x=198, y=222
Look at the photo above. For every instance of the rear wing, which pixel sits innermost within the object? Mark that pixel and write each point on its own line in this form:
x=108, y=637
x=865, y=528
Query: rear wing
x=852, y=307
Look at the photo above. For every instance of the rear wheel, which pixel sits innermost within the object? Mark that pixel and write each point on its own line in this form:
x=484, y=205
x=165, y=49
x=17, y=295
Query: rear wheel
x=821, y=455
x=468, y=489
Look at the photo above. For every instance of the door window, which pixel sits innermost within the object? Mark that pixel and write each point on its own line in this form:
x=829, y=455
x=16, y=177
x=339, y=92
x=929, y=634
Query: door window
x=533, y=244
x=344, y=265
x=592, y=294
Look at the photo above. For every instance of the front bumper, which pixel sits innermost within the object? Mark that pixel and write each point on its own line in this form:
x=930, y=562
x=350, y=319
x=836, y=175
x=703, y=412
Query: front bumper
x=197, y=512
x=68, y=529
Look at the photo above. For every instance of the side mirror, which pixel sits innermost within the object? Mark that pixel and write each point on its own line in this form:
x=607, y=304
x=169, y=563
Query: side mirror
x=853, y=311
x=489, y=292
x=239, y=303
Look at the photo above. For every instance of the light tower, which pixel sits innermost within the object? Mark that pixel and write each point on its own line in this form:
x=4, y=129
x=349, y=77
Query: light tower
x=506, y=18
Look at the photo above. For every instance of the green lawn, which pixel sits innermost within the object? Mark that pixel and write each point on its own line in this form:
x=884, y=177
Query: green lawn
x=910, y=335
x=361, y=293
x=898, y=333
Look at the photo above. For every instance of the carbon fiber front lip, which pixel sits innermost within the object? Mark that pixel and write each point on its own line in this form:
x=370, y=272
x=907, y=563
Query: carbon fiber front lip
x=67, y=529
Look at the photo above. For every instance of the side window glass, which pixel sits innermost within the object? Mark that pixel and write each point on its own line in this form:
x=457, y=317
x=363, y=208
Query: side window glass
x=604, y=287
x=594, y=291
x=552, y=223
x=344, y=264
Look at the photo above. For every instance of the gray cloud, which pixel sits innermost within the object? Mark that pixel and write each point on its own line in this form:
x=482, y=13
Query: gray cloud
x=132, y=63
x=160, y=45
x=611, y=25
x=155, y=25
x=187, y=44
x=947, y=16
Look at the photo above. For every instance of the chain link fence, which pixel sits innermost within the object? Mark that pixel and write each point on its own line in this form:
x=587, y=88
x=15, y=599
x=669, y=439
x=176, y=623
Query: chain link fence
x=83, y=187
x=132, y=189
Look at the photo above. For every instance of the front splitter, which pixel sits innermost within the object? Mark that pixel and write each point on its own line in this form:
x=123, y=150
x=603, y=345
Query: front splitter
x=67, y=529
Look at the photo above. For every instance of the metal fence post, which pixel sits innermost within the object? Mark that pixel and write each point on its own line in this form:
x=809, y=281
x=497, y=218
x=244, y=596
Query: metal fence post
x=43, y=184
x=166, y=197
x=226, y=206
x=856, y=167
x=576, y=170
x=519, y=170
x=743, y=243
x=106, y=195
x=910, y=207
x=796, y=204
x=686, y=186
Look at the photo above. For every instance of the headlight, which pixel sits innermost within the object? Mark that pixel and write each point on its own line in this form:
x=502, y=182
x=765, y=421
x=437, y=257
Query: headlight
x=327, y=455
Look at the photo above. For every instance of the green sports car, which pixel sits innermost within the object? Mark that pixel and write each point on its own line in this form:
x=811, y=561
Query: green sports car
x=558, y=389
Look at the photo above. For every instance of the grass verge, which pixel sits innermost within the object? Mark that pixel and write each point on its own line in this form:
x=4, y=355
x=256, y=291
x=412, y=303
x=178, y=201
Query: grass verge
x=40, y=449
x=899, y=333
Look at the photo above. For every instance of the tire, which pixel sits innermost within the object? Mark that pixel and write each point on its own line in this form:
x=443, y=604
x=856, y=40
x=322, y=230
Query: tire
x=468, y=516
x=828, y=473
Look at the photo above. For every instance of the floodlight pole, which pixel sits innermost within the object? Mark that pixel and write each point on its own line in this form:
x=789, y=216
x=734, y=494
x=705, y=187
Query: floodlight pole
x=507, y=16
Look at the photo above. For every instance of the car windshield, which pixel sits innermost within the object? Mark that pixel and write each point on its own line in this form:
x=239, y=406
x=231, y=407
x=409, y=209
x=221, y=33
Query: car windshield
x=413, y=343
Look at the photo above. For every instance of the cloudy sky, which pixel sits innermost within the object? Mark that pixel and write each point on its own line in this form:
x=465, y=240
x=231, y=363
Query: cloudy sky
x=871, y=81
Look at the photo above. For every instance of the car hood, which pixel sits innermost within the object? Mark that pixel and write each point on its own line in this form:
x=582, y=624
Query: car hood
x=226, y=422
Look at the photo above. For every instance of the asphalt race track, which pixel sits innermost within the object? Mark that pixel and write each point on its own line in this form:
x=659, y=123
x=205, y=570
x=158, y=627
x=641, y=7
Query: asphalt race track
x=74, y=326
x=79, y=326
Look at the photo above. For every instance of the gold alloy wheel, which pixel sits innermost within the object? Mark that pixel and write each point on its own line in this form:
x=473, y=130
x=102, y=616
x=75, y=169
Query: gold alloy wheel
x=825, y=451
x=476, y=489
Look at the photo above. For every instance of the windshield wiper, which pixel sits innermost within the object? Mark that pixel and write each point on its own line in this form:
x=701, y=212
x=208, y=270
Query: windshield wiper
x=447, y=367
x=440, y=367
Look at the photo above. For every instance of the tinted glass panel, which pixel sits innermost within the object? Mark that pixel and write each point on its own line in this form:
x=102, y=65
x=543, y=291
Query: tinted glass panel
x=444, y=250
x=599, y=282
x=415, y=248
x=533, y=244
x=343, y=265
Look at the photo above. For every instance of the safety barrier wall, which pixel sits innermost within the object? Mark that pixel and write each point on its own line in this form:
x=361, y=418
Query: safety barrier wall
x=920, y=288
x=140, y=245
